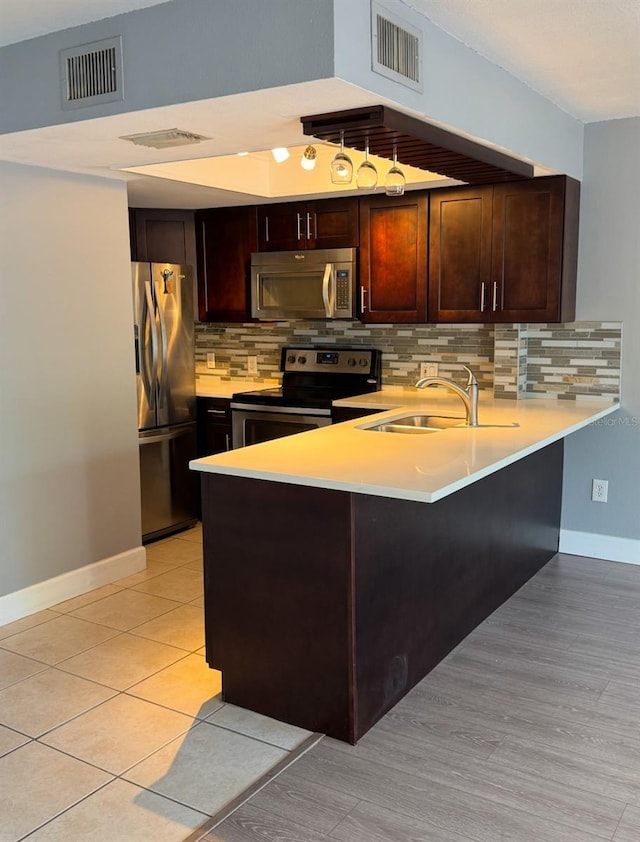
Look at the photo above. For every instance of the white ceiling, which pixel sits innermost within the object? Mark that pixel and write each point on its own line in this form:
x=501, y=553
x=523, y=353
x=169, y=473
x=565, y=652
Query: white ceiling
x=584, y=55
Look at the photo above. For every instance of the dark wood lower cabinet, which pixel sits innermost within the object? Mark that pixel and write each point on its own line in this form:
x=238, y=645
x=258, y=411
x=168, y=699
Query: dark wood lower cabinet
x=332, y=606
x=214, y=425
x=349, y=413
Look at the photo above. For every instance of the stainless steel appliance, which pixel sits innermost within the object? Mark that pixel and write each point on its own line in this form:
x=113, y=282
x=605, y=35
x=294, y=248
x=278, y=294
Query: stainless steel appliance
x=312, y=284
x=164, y=344
x=312, y=378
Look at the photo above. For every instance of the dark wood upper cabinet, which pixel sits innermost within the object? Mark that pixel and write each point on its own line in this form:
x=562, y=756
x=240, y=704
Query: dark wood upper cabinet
x=163, y=236
x=460, y=225
x=326, y=223
x=226, y=237
x=393, y=258
x=506, y=253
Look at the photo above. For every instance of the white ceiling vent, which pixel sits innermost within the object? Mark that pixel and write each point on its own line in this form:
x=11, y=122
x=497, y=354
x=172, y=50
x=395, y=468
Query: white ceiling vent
x=165, y=139
x=396, y=47
x=92, y=73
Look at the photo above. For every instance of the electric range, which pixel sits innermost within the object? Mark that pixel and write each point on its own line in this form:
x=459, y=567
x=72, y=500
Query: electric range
x=312, y=378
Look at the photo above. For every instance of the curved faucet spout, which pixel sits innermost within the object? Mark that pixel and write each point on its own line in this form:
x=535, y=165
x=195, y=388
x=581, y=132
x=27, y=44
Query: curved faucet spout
x=468, y=395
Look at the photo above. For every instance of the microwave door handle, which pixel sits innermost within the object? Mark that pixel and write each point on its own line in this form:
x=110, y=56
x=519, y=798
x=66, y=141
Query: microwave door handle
x=327, y=291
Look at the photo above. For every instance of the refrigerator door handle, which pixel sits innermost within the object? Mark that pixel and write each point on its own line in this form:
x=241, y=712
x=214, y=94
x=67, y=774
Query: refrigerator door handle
x=162, y=391
x=157, y=439
x=150, y=380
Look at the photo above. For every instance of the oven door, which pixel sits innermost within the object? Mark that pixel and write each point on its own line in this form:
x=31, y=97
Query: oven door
x=252, y=423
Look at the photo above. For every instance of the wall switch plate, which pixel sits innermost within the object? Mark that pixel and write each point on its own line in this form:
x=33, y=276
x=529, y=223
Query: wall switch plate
x=599, y=490
x=211, y=360
x=252, y=365
x=428, y=369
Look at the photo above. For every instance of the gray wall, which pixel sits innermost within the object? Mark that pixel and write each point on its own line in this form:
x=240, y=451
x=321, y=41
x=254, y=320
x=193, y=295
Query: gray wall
x=461, y=90
x=609, y=288
x=69, y=477
x=189, y=50
x=175, y=52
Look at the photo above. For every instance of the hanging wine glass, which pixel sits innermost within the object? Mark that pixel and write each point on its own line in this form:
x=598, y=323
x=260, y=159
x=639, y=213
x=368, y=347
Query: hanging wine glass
x=341, y=166
x=367, y=174
x=395, y=180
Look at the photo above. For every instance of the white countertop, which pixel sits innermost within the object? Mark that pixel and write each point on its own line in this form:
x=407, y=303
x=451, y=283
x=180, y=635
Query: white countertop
x=351, y=457
x=216, y=387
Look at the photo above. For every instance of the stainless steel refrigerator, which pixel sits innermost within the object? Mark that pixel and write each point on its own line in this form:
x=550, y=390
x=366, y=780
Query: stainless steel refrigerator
x=164, y=344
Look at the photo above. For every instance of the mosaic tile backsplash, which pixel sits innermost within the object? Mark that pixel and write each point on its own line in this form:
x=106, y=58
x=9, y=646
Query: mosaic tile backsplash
x=403, y=347
x=572, y=360
x=564, y=361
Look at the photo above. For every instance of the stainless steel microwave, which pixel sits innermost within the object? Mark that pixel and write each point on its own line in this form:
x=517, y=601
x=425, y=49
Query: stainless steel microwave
x=313, y=284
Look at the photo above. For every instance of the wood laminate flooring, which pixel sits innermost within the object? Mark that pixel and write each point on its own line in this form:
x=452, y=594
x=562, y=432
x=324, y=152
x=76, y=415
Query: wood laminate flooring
x=527, y=732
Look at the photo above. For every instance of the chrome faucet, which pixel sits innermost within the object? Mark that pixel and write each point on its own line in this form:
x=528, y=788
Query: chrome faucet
x=468, y=394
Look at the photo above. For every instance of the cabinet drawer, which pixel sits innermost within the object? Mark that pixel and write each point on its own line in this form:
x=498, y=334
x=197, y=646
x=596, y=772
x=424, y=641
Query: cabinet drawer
x=214, y=425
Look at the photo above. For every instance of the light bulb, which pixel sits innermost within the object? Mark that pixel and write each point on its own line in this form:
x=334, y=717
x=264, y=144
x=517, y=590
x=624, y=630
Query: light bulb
x=308, y=160
x=280, y=154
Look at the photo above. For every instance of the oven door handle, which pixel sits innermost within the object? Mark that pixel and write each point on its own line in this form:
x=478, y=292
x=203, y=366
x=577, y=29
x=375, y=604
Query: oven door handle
x=281, y=410
x=328, y=292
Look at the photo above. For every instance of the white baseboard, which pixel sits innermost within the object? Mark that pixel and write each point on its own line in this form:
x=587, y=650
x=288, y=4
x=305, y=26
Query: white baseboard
x=607, y=547
x=19, y=604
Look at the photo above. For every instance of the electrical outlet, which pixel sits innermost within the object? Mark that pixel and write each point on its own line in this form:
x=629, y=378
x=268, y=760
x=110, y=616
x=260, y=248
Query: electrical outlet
x=428, y=369
x=599, y=490
x=252, y=365
x=211, y=360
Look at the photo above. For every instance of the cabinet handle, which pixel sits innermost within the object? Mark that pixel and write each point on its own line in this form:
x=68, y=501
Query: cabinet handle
x=495, y=296
x=482, y=290
x=217, y=411
x=363, y=306
x=299, y=218
x=315, y=225
x=227, y=441
x=266, y=229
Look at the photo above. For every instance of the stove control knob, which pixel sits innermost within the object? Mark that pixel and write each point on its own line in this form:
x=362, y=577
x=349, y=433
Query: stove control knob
x=364, y=361
x=291, y=358
x=351, y=362
x=302, y=360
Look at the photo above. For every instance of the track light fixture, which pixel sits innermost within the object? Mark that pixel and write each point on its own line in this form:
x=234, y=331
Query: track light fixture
x=308, y=160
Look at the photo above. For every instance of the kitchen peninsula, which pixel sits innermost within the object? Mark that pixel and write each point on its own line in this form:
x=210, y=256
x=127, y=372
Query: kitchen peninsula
x=342, y=564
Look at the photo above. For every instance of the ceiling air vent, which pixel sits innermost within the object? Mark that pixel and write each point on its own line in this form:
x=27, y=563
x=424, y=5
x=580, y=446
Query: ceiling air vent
x=92, y=74
x=165, y=139
x=396, y=48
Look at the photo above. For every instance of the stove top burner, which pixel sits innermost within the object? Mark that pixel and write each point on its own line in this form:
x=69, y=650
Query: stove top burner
x=315, y=377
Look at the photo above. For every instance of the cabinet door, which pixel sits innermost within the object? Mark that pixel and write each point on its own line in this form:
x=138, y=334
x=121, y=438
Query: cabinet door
x=163, y=236
x=214, y=426
x=332, y=223
x=324, y=224
x=226, y=237
x=282, y=227
x=528, y=248
x=393, y=258
x=460, y=254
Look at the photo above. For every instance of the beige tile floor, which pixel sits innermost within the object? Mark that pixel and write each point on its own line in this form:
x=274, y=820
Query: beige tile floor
x=111, y=723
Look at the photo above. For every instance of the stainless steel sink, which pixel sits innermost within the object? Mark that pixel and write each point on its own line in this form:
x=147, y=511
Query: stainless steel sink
x=418, y=424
